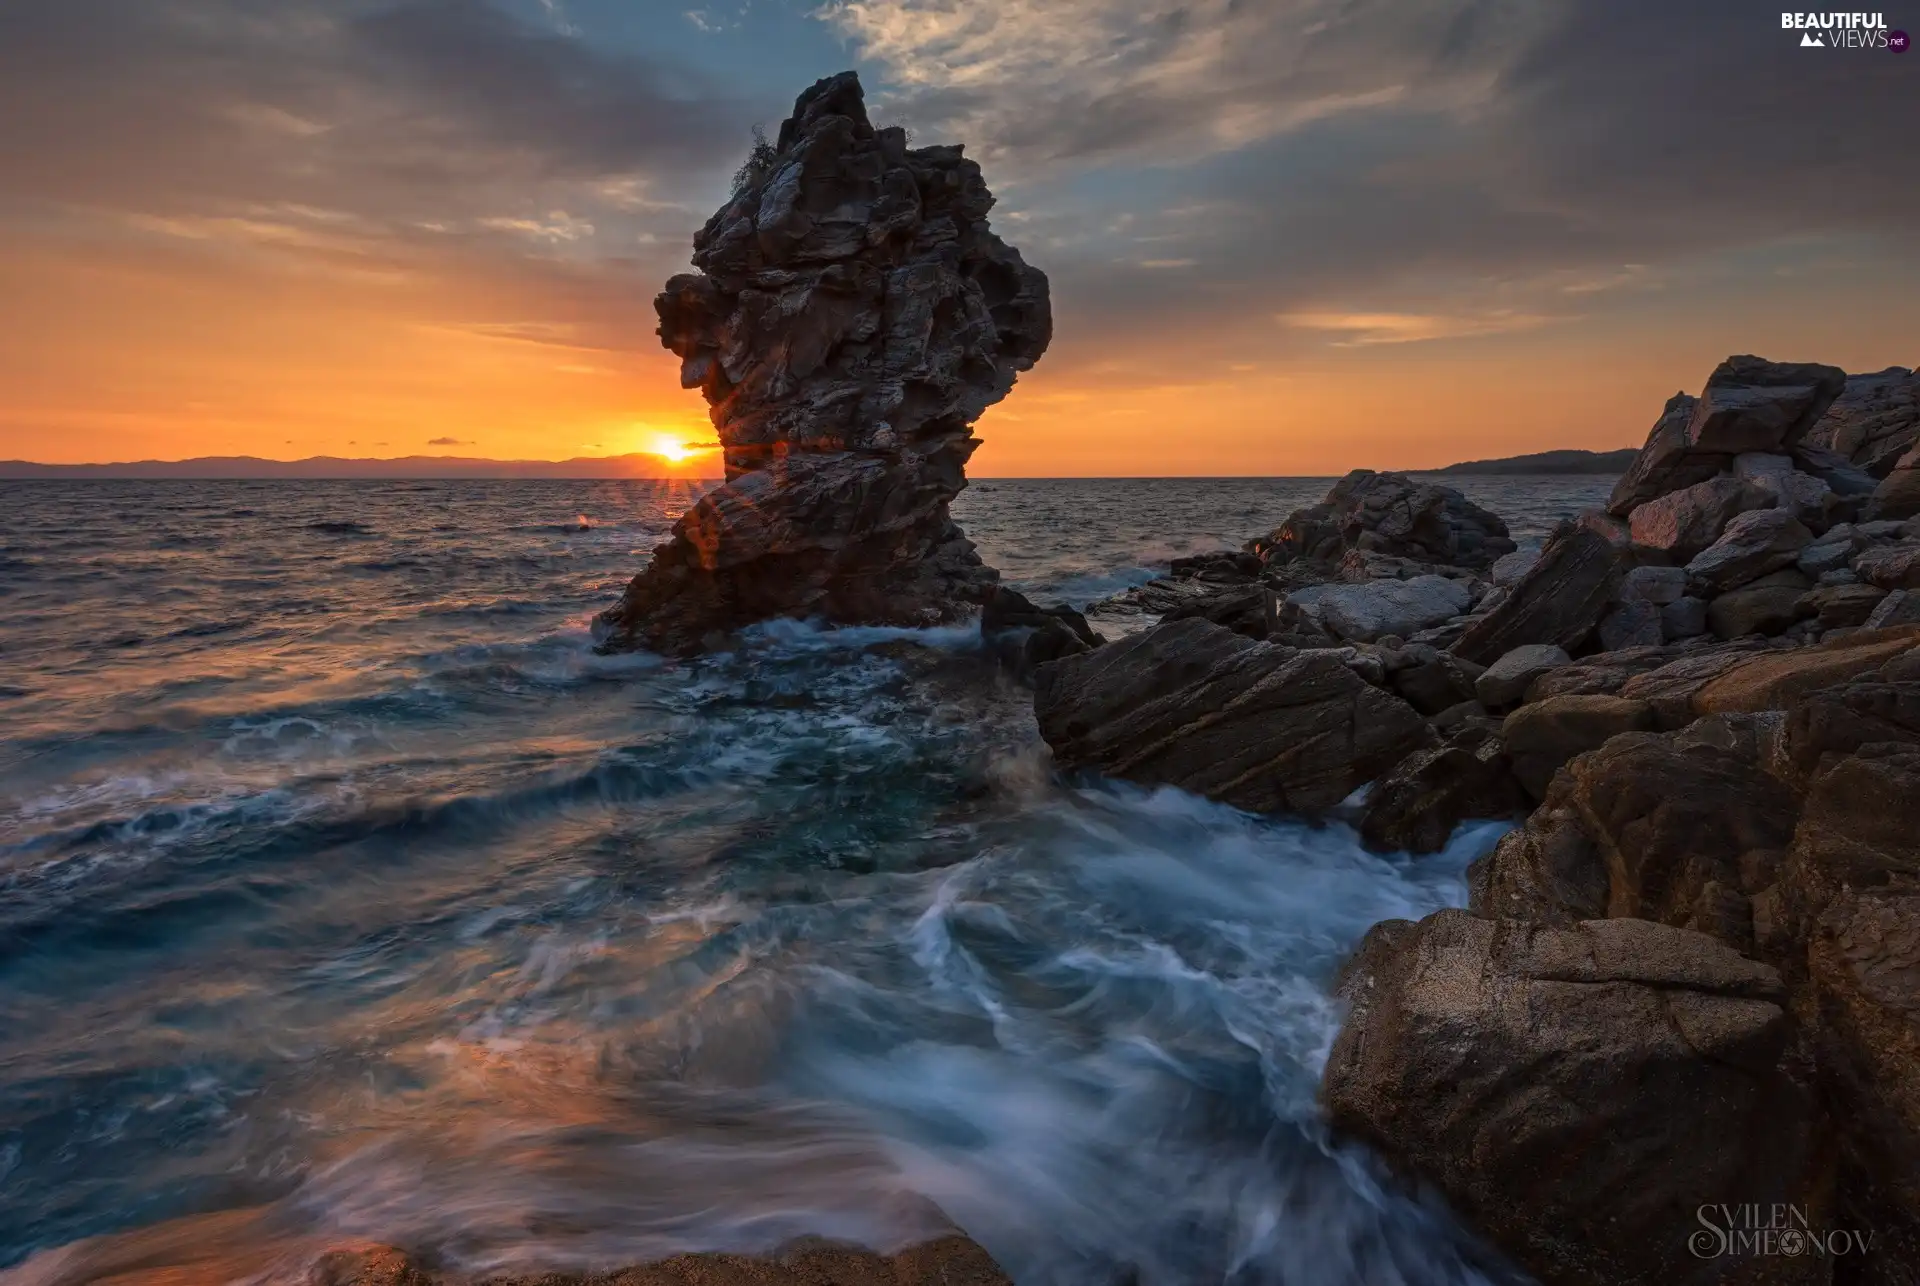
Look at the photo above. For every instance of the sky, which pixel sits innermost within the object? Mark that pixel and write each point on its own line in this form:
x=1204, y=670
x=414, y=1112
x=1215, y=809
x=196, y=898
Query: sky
x=1284, y=236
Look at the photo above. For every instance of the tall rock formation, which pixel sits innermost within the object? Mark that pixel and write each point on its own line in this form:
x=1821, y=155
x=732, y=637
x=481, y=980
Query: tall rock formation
x=852, y=316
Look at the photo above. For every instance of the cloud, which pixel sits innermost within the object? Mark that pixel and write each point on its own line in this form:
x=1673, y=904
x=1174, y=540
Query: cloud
x=448, y=442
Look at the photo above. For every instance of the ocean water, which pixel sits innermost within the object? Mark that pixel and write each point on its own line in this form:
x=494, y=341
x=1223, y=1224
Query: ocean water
x=346, y=894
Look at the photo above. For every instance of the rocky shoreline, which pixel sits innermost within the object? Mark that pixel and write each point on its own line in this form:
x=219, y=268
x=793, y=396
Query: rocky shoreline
x=1690, y=980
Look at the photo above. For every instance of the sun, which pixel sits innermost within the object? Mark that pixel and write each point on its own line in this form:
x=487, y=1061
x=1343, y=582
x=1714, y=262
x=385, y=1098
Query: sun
x=670, y=448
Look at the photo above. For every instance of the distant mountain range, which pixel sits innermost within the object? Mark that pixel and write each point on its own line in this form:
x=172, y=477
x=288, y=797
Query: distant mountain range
x=1602, y=462
x=326, y=466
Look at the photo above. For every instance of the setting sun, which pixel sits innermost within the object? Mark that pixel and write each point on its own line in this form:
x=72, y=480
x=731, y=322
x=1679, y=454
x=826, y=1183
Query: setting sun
x=671, y=448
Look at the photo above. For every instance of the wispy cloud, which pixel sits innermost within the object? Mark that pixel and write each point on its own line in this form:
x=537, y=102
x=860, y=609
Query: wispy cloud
x=1363, y=329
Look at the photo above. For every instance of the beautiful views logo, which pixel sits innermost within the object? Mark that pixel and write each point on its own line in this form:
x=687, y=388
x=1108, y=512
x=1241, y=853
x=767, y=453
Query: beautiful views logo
x=1844, y=31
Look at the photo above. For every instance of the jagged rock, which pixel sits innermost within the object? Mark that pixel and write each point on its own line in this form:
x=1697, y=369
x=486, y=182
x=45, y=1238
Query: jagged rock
x=1632, y=624
x=1765, y=606
x=1389, y=513
x=1575, y=1091
x=1658, y=585
x=1874, y=421
x=1193, y=705
x=1843, y=719
x=1220, y=567
x=1683, y=618
x=1842, y=475
x=1542, y=736
x=1604, y=673
x=1898, y=495
x=852, y=316
x=1362, y=613
x=1781, y=486
x=1549, y=871
x=1021, y=636
x=1435, y=681
x=1141, y=607
x=1670, y=690
x=1753, y=545
x=1890, y=566
x=1511, y=569
x=1899, y=607
x=1830, y=551
x=1416, y=807
x=1506, y=680
x=1838, y=606
x=1558, y=602
x=1685, y=522
x=1252, y=610
x=1748, y=405
x=1774, y=679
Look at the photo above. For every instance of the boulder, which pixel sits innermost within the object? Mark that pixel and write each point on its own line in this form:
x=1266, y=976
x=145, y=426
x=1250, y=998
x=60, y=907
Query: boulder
x=1753, y=544
x=1254, y=725
x=1842, y=476
x=852, y=316
x=1748, y=405
x=1632, y=624
x=1833, y=722
x=1765, y=606
x=1890, y=566
x=1021, y=636
x=1831, y=551
x=1838, y=606
x=1511, y=569
x=1898, y=495
x=1684, y=618
x=1362, y=613
x=1549, y=871
x=1604, y=673
x=1873, y=422
x=1541, y=736
x=1506, y=681
x=1416, y=807
x=1684, y=522
x=1579, y=1093
x=1252, y=610
x=1559, y=602
x=1899, y=607
x=1141, y=607
x=1391, y=514
x=1433, y=680
x=1773, y=680
x=1670, y=690
x=1658, y=585
x=1781, y=486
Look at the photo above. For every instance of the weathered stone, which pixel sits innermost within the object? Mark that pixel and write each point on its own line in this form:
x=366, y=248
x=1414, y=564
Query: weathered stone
x=1511, y=569
x=1682, y=523
x=1604, y=673
x=1874, y=421
x=1578, y=1092
x=1773, y=680
x=1748, y=405
x=1559, y=602
x=1021, y=636
x=1782, y=486
x=1542, y=736
x=1658, y=585
x=1252, y=610
x=1832, y=722
x=1436, y=683
x=1842, y=475
x=1891, y=566
x=1362, y=613
x=1632, y=624
x=1506, y=680
x=1765, y=606
x=1831, y=551
x=1898, y=495
x=1835, y=606
x=1193, y=705
x=1671, y=689
x=1416, y=807
x=1141, y=607
x=1391, y=514
x=852, y=316
x=1549, y=871
x=1752, y=545
x=1683, y=618
x=1899, y=607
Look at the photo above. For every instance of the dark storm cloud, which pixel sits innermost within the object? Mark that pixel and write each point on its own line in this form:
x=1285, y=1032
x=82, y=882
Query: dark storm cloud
x=426, y=110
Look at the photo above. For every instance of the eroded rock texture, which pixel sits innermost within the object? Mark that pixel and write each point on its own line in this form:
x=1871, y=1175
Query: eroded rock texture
x=851, y=317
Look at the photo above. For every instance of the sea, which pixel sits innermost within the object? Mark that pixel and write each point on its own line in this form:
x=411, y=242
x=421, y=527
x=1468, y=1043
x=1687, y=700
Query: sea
x=346, y=895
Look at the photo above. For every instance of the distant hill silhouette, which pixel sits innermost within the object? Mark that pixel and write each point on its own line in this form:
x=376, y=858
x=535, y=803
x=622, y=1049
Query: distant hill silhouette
x=1604, y=462
x=326, y=466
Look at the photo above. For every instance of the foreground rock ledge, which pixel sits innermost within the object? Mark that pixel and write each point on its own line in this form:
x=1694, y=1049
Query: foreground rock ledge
x=852, y=317
x=949, y=1261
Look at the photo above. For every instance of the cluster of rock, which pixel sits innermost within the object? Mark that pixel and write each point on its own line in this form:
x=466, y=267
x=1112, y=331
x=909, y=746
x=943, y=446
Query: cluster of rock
x=1693, y=975
x=852, y=316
